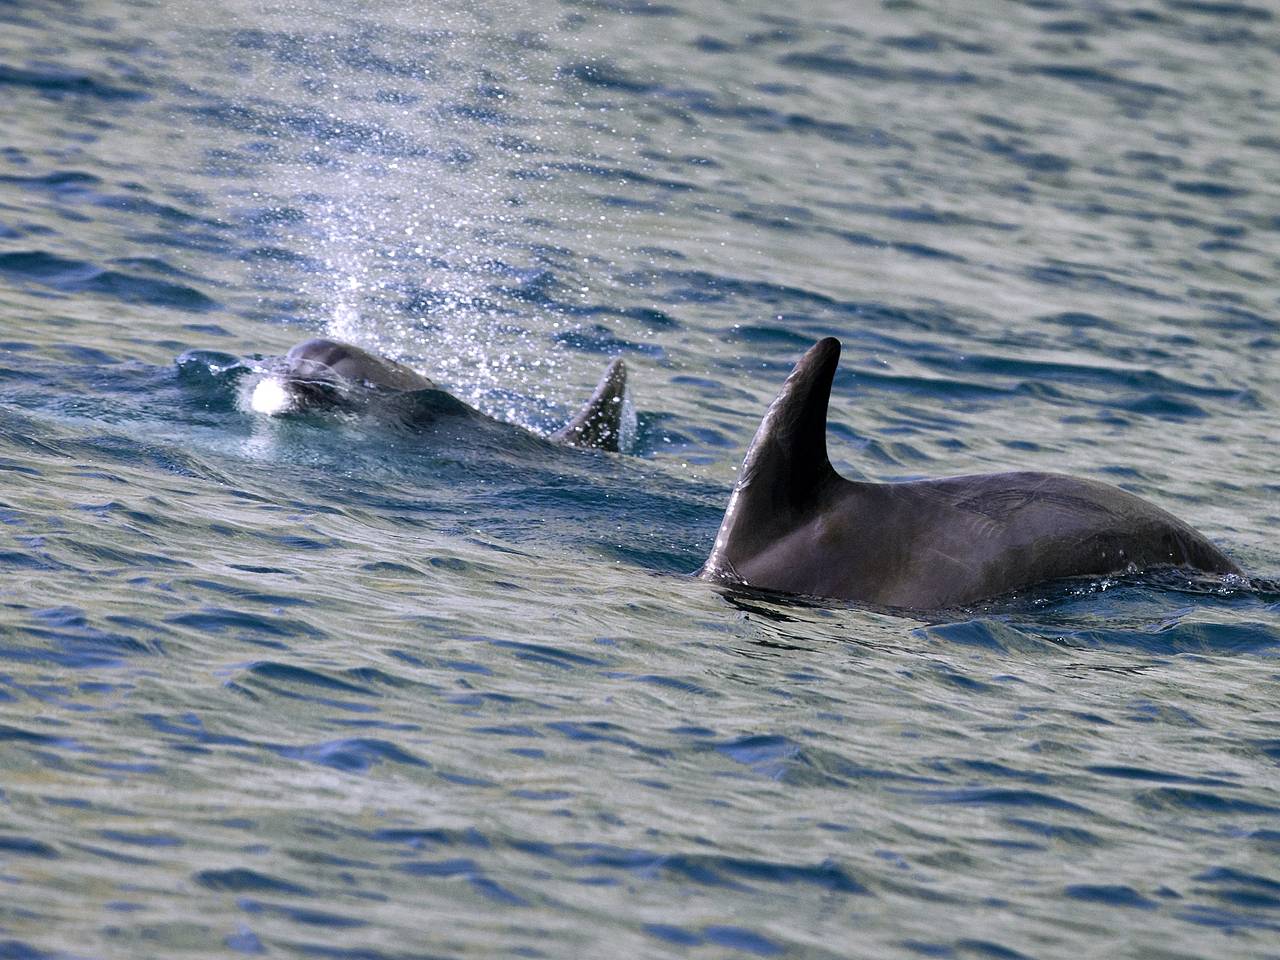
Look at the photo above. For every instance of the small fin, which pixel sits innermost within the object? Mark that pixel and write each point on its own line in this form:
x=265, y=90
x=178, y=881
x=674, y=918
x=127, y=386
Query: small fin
x=786, y=466
x=599, y=423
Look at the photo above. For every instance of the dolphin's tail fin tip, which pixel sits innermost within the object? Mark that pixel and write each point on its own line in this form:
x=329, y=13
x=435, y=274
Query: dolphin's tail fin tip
x=605, y=418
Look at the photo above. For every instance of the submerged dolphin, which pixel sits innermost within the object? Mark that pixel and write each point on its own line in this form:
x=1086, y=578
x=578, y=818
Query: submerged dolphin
x=794, y=525
x=324, y=374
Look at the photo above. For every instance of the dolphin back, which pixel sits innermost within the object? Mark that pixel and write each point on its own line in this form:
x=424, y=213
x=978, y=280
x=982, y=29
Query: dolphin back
x=794, y=525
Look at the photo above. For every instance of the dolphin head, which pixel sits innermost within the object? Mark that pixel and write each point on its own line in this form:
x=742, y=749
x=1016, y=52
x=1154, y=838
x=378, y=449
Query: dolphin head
x=328, y=374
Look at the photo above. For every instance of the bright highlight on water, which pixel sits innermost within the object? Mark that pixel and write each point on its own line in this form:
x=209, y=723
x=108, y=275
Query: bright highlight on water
x=269, y=397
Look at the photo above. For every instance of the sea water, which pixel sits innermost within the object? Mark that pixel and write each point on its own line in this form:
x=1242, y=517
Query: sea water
x=330, y=686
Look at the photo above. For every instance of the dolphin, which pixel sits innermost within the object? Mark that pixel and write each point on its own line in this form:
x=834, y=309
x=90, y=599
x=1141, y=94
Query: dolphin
x=795, y=526
x=328, y=374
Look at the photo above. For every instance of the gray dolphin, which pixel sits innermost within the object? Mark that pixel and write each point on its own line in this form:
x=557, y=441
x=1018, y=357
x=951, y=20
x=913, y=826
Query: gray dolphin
x=794, y=525
x=322, y=373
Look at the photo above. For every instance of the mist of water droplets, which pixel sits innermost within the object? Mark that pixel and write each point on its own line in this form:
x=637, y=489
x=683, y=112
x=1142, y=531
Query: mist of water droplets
x=403, y=162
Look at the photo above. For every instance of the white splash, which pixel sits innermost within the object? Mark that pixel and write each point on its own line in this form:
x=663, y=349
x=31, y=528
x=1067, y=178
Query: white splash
x=269, y=396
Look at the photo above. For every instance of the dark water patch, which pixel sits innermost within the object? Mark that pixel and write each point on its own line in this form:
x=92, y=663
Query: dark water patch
x=112, y=855
x=601, y=731
x=1110, y=895
x=833, y=131
x=989, y=768
x=1230, y=922
x=222, y=619
x=606, y=75
x=669, y=683
x=242, y=880
x=999, y=797
x=598, y=338
x=307, y=917
x=987, y=633
x=166, y=213
x=1182, y=636
x=1263, y=142
x=786, y=760
x=347, y=137
x=14, y=559
x=19, y=950
x=769, y=337
x=68, y=639
x=287, y=673
x=1167, y=408
x=548, y=655
x=1202, y=802
x=1031, y=160
x=1210, y=189
x=988, y=950
x=700, y=287
x=1154, y=387
x=202, y=241
x=277, y=600
x=100, y=554
x=840, y=66
x=56, y=82
x=1143, y=774
x=142, y=839
x=943, y=388
x=618, y=175
x=419, y=838
x=924, y=214
x=27, y=847
x=470, y=871
x=742, y=940
x=683, y=102
x=1241, y=889
x=1092, y=279
x=31, y=737
x=356, y=755
x=1208, y=8
x=631, y=8
x=704, y=868
x=769, y=756
x=1072, y=836
x=244, y=941
x=1269, y=748
x=509, y=731
x=1075, y=28
x=925, y=949
x=71, y=183
x=859, y=239
x=677, y=936
x=1101, y=80
x=78, y=276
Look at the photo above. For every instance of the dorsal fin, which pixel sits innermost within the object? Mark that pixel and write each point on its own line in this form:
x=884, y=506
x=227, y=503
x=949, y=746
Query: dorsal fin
x=786, y=465
x=599, y=423
x=789, y=451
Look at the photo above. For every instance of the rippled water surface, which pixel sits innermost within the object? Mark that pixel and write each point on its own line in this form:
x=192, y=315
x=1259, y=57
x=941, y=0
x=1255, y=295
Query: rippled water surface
x=332, y=687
